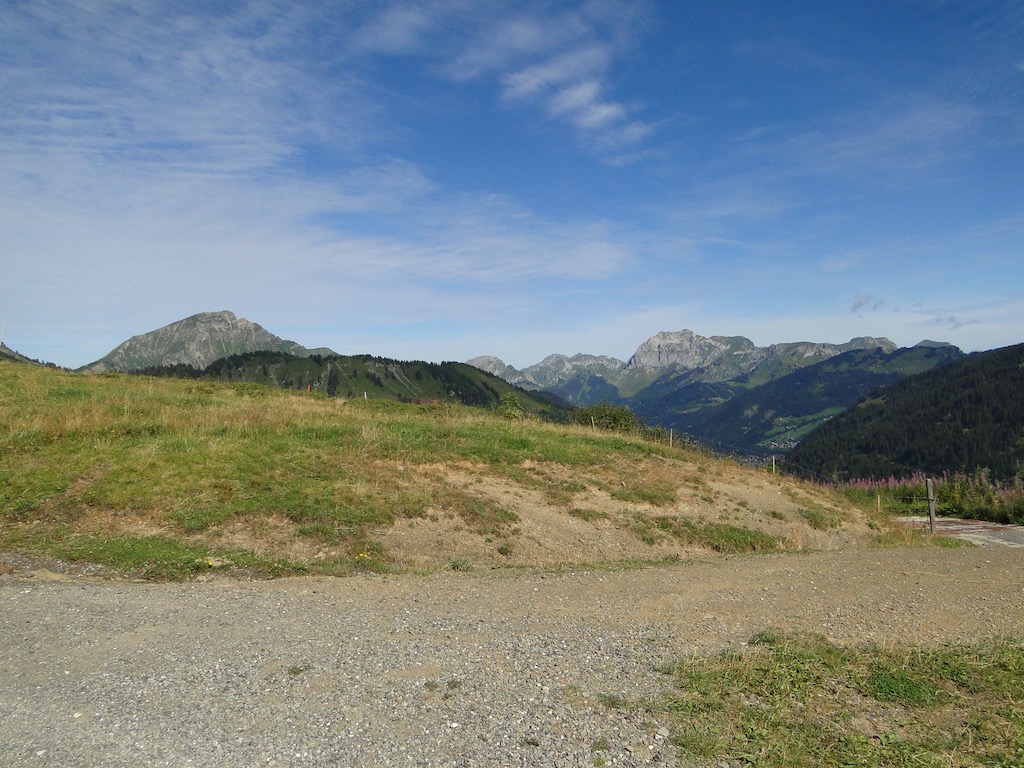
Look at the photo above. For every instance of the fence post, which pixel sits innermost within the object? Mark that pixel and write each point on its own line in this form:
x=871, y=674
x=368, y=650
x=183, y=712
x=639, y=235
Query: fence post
x=930, y=487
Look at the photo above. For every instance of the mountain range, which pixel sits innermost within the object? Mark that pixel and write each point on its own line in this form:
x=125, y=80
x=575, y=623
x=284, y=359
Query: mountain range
x=669, y=353
x=724, y=391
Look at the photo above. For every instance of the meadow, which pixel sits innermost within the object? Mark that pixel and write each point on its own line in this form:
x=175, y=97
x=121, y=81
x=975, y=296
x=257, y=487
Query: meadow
x=166, y=478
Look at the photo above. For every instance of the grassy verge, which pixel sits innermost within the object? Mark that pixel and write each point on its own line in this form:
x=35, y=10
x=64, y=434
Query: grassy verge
x=149, y=557
x=152, y=476
x=971, y=496
x=799, y=700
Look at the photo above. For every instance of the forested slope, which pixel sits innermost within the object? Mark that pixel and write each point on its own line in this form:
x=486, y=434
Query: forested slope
x=962, y=417
x=357, y=376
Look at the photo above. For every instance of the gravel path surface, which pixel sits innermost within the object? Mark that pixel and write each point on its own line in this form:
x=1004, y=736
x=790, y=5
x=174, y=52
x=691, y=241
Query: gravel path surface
x=502, y=668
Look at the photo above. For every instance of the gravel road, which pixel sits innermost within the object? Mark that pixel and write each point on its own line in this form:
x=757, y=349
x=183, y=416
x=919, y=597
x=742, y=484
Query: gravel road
x=499, y=668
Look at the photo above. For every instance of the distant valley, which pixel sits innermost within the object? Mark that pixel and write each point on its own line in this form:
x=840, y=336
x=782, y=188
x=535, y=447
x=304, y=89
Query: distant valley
x=724, y=390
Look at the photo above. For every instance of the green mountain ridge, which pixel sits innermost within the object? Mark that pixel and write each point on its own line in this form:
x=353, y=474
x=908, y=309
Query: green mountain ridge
x=6, y=353
x=366, y=376
x=962, y=417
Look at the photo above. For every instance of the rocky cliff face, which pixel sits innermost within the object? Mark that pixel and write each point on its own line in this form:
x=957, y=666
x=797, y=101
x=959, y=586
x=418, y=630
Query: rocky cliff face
x=719, y=358
x=555, y=369
x=197, y=341
x=711, y=359
x=725, y=357
x=552, y=371
x=497, y=367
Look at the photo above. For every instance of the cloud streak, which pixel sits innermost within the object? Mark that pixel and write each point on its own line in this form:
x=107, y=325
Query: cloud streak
x=556, y=61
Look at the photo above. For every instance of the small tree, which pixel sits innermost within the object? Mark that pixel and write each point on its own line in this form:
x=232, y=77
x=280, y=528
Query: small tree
x=510, y=407
x=616, y=418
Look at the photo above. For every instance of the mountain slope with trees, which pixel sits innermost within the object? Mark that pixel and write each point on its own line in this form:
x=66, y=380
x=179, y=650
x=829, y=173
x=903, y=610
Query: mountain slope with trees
x=962, y=417
x=358, y=376
x=775, y=416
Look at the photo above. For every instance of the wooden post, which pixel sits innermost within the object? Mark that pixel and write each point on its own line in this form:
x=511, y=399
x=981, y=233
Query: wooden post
x=670, y=438
x=930, y=487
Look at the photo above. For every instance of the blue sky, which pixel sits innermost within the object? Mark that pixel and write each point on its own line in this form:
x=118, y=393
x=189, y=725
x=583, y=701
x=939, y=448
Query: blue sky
x=448, y=178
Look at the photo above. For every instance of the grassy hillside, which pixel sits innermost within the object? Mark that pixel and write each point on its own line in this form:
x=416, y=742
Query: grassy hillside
x=168, y=477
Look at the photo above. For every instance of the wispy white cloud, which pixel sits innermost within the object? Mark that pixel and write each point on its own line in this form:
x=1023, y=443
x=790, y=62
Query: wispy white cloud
x=917, y=135
x=164, y=94
x=506, y=39
x=572, y=67
x=399, y=29
x=554, y=58
x=581, y=103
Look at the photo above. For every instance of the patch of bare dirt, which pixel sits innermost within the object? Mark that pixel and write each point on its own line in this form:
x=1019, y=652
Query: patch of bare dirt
x=588, y=524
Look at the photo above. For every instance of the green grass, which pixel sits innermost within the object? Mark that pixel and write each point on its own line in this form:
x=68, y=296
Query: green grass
x=799, y=700
x=150, y=557
x=107, y=457
x=819, y=518
x=716, y=537
x=657, y=493
x=814, y=514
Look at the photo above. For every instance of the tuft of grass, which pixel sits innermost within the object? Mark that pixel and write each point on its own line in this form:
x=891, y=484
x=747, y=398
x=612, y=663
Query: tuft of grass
x=151, y=557
x=819, y=518
x=797, y=699
x=656, y=493
x=716, y=537
x=891, y=683
x=587, y=514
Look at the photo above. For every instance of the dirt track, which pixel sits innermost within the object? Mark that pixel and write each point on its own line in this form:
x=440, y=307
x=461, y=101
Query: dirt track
x=460, y=669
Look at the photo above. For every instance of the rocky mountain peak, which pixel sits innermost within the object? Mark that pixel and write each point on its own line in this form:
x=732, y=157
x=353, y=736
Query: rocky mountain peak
x=197, y=341
x=727, y=356
x=494, y=365
x=869, y=342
